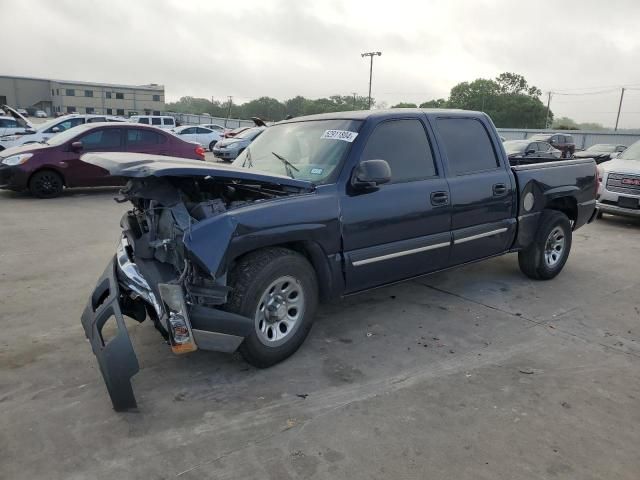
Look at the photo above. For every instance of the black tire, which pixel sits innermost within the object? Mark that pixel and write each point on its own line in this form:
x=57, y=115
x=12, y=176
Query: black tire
x=211, y=145
x=46, y=184
x=599, y=214
x=250, y=279
x=533, y=261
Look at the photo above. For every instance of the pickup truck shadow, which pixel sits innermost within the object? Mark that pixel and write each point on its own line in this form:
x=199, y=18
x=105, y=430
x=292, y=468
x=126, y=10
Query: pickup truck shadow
x=357, y=341
x=620, y=220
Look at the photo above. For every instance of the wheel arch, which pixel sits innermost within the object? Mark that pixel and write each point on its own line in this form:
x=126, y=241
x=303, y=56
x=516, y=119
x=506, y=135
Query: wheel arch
x=565, y=204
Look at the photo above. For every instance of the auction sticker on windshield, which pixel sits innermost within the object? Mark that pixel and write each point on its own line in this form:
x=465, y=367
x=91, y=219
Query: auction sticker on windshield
x=344, y=135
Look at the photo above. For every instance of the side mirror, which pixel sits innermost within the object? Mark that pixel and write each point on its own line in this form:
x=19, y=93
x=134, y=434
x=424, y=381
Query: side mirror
x=55, y=129
x=531, y=151
x=76, y=147
x=369, y=174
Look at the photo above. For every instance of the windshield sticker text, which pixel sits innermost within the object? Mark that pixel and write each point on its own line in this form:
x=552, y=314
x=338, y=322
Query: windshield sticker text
x=344, y=135
x=316, y=171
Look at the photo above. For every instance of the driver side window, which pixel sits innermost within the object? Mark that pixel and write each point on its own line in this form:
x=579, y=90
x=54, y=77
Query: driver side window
x=106, y=138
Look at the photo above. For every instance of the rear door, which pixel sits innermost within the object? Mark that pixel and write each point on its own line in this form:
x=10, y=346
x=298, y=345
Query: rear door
x=145, y=140
x=402, y=229
x=482, y=193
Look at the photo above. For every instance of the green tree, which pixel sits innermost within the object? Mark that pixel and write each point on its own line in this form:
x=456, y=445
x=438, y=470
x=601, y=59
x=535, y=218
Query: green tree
x=439, y=103
x=405, y=105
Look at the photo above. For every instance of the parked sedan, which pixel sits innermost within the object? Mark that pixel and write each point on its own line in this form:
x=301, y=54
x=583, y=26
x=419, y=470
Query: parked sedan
x=601, y=152
x=228, y=149
x=521, y=149
x=45, y=169
x=198, y=134
x=41, y=114
x=562, y=141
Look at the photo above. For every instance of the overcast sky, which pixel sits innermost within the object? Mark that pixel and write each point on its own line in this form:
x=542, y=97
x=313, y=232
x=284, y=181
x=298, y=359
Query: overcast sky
x=283, y=48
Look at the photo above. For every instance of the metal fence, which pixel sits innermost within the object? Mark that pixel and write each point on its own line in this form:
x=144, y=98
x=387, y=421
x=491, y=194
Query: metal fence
x=583, y=138
x=189, y=119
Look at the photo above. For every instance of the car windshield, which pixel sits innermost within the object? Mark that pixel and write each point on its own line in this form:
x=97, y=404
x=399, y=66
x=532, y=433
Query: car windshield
x=250, y=133
x=311, y=150
x=66, y=135
x=41, y=127
x=541, y=136
x=515, y=146
x=602, y=147
x=631, y=153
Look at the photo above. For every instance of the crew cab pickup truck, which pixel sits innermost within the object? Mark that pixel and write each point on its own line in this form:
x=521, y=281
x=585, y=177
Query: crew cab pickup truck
x=237, y=257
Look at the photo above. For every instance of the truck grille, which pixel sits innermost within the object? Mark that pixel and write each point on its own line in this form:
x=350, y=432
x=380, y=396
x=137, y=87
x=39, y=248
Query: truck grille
x=623, y=183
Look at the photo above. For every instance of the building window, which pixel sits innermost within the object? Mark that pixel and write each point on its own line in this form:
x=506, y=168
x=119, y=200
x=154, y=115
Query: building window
x=156, y=112
x=120, y=96
x=156, y=98
x=52, y=94
x=108, y=94
x=120, y=111
x=88, y=93
x=71, y=109
x=147, y=112
x=90, y=110
x=70, y=92
x=109, y=111
x=58, y=91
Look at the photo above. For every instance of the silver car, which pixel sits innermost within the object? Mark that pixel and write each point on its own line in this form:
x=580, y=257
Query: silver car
x=619, y=184
x=228, y=149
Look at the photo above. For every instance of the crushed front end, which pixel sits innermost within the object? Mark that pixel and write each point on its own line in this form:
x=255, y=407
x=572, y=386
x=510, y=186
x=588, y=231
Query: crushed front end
x=160, y=272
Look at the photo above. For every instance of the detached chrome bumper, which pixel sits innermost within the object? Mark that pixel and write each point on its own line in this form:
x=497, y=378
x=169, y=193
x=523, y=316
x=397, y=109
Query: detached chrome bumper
x=205, y=328
x=117, y=360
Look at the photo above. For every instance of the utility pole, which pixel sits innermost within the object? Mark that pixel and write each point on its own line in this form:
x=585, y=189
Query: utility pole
x=228, y=111
x=354, y=99
x=546, y=122
x=370, y=55
x=619, y=108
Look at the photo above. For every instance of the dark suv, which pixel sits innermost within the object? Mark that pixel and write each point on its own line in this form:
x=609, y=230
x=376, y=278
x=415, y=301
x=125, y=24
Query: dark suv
x=46, y=168
x=562, y=141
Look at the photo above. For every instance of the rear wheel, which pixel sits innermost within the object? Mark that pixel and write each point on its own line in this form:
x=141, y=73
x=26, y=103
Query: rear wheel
x=276, y=287
x=599, y=214
x=211, y=145
x=546, y=256
x=46, y=184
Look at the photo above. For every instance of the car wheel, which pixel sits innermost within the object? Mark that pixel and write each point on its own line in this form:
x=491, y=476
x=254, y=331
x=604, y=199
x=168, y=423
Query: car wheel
x=46, y=184
x=546, y=256
x=599, y=214
x=277, y=288
x=211, y=145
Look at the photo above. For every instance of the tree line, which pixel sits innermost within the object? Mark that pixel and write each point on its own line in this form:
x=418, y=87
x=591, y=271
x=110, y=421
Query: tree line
x=508, y=99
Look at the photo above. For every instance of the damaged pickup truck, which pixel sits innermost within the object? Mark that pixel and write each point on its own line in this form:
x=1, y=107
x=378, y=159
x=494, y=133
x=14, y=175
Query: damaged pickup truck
x=237, y=257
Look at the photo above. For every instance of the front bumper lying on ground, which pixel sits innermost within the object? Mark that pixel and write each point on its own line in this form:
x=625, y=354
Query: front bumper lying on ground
x=123, y=283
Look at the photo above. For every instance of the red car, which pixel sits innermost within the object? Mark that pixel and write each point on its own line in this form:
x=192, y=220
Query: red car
x=45, y=169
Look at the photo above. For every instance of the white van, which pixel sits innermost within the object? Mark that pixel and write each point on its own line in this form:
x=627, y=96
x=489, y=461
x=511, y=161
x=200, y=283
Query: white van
x=160, y=121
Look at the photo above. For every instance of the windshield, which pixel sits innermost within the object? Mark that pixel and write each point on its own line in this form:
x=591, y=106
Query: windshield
x=312, y=150
x=41, y=127
x=66, y=135
x=631, y=153
x=602, y=147
x=515, y=146
x=250, y=133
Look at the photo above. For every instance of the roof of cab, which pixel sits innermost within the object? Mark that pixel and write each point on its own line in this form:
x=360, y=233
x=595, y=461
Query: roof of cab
x=387, y=113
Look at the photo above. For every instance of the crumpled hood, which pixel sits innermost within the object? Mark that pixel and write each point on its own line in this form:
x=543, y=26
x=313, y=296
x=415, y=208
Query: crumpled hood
x=138, y=165
x=622, y=166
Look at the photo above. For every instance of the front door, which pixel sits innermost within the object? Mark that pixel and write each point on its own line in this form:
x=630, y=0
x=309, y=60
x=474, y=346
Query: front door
x=402, y=229
x=482, y=194
x=82, y=174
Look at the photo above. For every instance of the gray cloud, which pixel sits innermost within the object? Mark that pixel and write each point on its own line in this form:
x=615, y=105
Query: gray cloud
x=286, y=47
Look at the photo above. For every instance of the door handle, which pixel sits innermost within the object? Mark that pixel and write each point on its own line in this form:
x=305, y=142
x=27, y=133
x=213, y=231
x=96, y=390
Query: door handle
x=499, y=189
x=439, y=198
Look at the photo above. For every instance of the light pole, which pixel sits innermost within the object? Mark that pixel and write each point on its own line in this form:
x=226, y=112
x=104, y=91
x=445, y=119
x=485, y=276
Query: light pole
x=371, y=55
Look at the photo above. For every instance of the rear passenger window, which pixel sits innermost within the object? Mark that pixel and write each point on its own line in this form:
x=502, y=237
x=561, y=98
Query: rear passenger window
x=139, y=137
x=143, y=120
x=467, y=144
x=405, y=146
x=156, y=121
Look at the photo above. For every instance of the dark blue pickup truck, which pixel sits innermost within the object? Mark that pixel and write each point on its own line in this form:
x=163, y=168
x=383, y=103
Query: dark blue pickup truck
x=237, y=257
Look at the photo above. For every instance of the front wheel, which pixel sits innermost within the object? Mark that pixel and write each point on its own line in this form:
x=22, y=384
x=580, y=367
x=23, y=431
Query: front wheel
x=276, y=287
x=546, y=256
x=46, y=184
